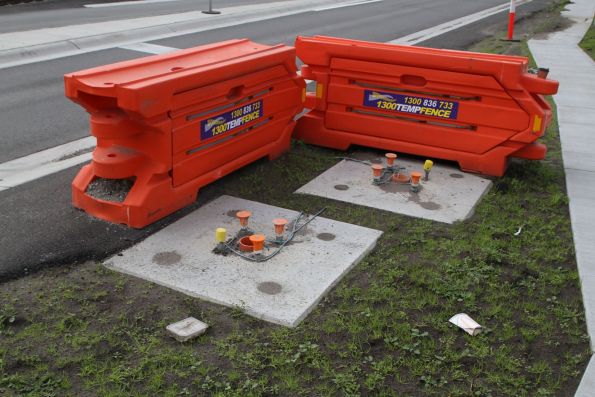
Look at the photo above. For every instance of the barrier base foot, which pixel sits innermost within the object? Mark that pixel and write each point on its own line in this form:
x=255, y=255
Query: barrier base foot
x=534, y=151
x=310, y=129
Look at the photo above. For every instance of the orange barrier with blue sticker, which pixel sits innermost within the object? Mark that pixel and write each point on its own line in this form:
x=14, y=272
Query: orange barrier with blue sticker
x=479, y=110
x=169, y=124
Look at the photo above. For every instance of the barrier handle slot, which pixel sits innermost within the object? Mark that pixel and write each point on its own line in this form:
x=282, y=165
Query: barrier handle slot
x=235, y=92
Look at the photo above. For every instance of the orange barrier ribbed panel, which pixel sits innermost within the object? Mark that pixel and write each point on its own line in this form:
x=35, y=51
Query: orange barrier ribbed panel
x=173, y=123
x=476, y=109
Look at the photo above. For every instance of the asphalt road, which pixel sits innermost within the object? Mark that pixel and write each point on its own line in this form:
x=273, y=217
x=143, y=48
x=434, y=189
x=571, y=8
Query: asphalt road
x=53, y=13
x=39, y=226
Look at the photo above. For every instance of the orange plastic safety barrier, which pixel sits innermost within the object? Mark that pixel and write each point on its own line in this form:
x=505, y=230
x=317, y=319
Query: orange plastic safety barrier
x=476, y=109
x=172, y=123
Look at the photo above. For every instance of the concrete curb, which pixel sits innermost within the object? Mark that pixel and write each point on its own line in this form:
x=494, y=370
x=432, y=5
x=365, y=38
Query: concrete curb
x=196, y=22
x=576, y=115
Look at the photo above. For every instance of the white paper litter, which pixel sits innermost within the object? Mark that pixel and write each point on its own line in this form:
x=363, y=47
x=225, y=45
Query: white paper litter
x=518, y=231
x=463, y=321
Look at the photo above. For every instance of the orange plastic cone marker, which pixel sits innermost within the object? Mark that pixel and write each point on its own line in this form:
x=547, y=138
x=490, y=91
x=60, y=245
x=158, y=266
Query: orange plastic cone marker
x=258, y=242
x=390, y=159
x=243, y=216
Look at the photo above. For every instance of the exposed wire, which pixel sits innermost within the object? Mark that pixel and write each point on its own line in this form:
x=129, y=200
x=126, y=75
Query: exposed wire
x=387, y=175
x=294, y=230
x=355, y=160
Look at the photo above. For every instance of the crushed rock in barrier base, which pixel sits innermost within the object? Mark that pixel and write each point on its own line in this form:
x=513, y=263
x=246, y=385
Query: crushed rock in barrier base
x=110, y=189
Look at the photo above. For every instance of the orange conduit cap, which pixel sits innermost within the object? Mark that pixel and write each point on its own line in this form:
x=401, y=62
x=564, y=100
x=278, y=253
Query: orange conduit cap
x=258, y=241
x=390, y=158
x=400, y=178
x=243, y=217
x=415, y=177
x=245, y=244
x=279, y=224
x=377, y=170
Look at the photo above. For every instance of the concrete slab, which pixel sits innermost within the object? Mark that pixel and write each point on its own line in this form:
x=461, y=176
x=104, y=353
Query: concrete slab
x=449, y=196
x=282, y=290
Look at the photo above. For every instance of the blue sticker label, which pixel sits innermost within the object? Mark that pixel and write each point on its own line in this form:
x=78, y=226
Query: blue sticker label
x=411, y=104
x=229, y=121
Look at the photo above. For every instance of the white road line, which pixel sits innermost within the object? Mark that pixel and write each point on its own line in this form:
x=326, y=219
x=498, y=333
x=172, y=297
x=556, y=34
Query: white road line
x=46, y=162
x=437, y=30
x=126, y=3
x=345, y=5
x=148, y=47
x=37, y=165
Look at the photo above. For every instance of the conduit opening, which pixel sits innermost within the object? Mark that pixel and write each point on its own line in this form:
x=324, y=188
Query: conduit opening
x=326, y=236
x=235, y=92
x=417, y=81
x=270, y=288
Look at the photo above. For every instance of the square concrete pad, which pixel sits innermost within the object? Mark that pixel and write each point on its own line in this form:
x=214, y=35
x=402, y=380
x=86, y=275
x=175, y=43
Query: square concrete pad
x=282, y=290
x=450, y=195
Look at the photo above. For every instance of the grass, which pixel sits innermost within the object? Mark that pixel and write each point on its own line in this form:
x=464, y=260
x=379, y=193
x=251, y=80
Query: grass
x=85, y=330
x=588, y=42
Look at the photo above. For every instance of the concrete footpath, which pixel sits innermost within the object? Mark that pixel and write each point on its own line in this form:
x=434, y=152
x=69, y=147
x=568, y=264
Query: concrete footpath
x=575, y=71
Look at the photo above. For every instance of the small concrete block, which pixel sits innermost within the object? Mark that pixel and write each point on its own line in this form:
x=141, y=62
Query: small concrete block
x=282, y=290
x=450, y=195
x=186, y=329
